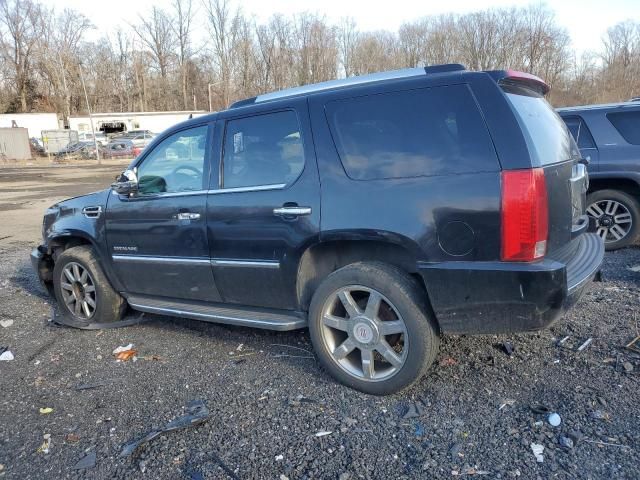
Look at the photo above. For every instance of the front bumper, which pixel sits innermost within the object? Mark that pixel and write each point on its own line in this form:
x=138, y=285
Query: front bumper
x=42, y=264
x=501, y=297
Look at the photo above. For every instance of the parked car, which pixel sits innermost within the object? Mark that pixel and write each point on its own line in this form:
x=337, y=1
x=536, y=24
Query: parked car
x=101, y=138
x=121, y=148
x=141, y=140
x=608, y=136
x=76, y=149
x=378, y=211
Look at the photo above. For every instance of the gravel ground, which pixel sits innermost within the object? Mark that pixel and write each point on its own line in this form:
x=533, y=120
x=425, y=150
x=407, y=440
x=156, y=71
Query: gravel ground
x=268, y=398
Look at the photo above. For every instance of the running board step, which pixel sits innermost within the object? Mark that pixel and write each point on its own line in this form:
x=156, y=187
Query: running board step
x=244, y=316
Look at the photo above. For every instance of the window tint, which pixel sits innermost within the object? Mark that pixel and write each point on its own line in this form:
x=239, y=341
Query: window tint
x=580, y=132
x=262, y=150
x=431, y=131
x=546, y=134
x=176, y=164
x=628, y=124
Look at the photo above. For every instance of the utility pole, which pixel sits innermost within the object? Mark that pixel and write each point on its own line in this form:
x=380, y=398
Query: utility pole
x=209, y=91
x=93, y=132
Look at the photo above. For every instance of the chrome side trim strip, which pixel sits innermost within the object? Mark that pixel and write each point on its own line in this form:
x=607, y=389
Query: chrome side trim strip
x=256, y=188
x=220, y=262
x=165, y=260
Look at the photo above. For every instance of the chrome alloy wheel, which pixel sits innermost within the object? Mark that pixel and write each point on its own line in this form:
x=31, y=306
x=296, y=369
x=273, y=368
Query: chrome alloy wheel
x=613, y=219
x=364, y=333
x=78, y=290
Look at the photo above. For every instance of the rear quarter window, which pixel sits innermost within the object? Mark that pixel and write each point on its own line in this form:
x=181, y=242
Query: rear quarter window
x=547, y=137
x=627, y=124
x=422, y=132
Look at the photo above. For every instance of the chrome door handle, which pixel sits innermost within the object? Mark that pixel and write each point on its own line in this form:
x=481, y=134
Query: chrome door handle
x=187, y=216
x=291, y=211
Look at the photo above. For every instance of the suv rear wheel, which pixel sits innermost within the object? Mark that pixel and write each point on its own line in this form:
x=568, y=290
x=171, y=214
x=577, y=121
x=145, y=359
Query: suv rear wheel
x=82, y=290
x=617, y=217
x=370, y=328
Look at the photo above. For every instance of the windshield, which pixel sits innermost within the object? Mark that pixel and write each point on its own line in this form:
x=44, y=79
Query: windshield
x=546, y=134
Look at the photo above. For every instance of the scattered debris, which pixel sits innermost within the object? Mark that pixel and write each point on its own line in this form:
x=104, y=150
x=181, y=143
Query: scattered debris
x=72, y=438
x=279, y=458
x=628, y=367
x=608, y=444
x=323, y=433
x=554, y=419
x=46, y=445
x=507, y=402
x=6, y=323
x=414, y=410
x=6, y=355
x=154, y=357
x=89, y=386
x=455, y=449
x=419, y=430
x=634, y=345
x=197, y=414
x=88, y=461
x=635, y=268
x=125, y=353
x=565, y=442
x=600, y=415
x=469, y=471
x=508, y=348
x=537, y=450
x=46, y=410
x=540, y=409
x=574, y=346
x=448, y=362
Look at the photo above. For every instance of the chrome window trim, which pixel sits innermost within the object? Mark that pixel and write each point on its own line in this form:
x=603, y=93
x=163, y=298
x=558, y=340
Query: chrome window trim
x=165, y=260
x=256, y=188
x=223, y=262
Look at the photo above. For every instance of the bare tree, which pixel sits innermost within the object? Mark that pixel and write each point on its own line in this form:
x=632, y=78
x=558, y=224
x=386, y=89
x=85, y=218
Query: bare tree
x=19, y=35
x=157, y=35
x=183, y=17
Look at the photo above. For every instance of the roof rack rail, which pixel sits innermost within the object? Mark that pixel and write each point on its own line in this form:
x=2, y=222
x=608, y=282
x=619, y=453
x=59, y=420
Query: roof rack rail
x=343, y=82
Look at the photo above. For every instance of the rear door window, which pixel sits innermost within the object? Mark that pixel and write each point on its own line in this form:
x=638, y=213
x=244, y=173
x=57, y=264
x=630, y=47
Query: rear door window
x=580, y=132
x=628, y=124
x=422, y=132
x=547, y=136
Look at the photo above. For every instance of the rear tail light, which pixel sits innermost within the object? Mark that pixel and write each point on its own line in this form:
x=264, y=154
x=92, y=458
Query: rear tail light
x=525, y=215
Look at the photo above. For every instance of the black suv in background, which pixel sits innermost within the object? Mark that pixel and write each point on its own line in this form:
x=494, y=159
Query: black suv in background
x=378, y=211
x=608, y=136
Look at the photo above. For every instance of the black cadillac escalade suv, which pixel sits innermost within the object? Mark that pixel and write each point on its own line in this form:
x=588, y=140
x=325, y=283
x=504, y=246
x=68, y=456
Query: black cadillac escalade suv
x=378, y=211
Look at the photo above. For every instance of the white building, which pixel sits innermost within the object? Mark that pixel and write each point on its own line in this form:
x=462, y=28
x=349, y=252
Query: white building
x=33, y=122
x=118, y=122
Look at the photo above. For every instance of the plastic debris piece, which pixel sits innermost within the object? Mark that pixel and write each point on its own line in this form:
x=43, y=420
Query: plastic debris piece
x=88, y=461
x=6, y=323
x=585, y=344
x=279, y=458
x=554, y=419
x=46, y=445
x=72, y=438
x=197, y=413
x=508, y=348
x=448, y=362
x=600, y=415
x=89, y=386
x=507, y=402
x=323, y=433
x=540, y=408
x=419, y=430
x=628, y=367
x=46, y=410
x=125, y=353
x=6, y=355
x=566, y=442
x=537, y=450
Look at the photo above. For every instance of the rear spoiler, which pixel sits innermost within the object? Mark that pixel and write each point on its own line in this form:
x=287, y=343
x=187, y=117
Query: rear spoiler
x=522, y=78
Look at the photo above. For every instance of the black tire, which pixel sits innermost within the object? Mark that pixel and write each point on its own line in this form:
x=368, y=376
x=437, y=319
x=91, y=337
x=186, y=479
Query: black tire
x=109, y=305
x=627, y=201
x=410, y=302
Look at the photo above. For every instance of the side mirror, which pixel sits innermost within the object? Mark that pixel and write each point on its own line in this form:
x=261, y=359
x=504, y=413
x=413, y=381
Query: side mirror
x=126, y=183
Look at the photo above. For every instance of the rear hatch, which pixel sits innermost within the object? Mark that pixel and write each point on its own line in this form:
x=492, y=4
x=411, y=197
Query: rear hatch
x=553, y=149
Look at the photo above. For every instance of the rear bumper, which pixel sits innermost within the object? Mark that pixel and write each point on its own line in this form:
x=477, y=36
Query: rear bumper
x=501, y=297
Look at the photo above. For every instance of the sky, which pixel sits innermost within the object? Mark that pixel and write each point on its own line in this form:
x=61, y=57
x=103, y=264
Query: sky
x=585, y=20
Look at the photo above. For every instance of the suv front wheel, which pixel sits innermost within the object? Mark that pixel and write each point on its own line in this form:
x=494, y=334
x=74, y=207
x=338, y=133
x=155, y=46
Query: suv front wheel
x=616, y=217
x=84, y=294
x=370, y=328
